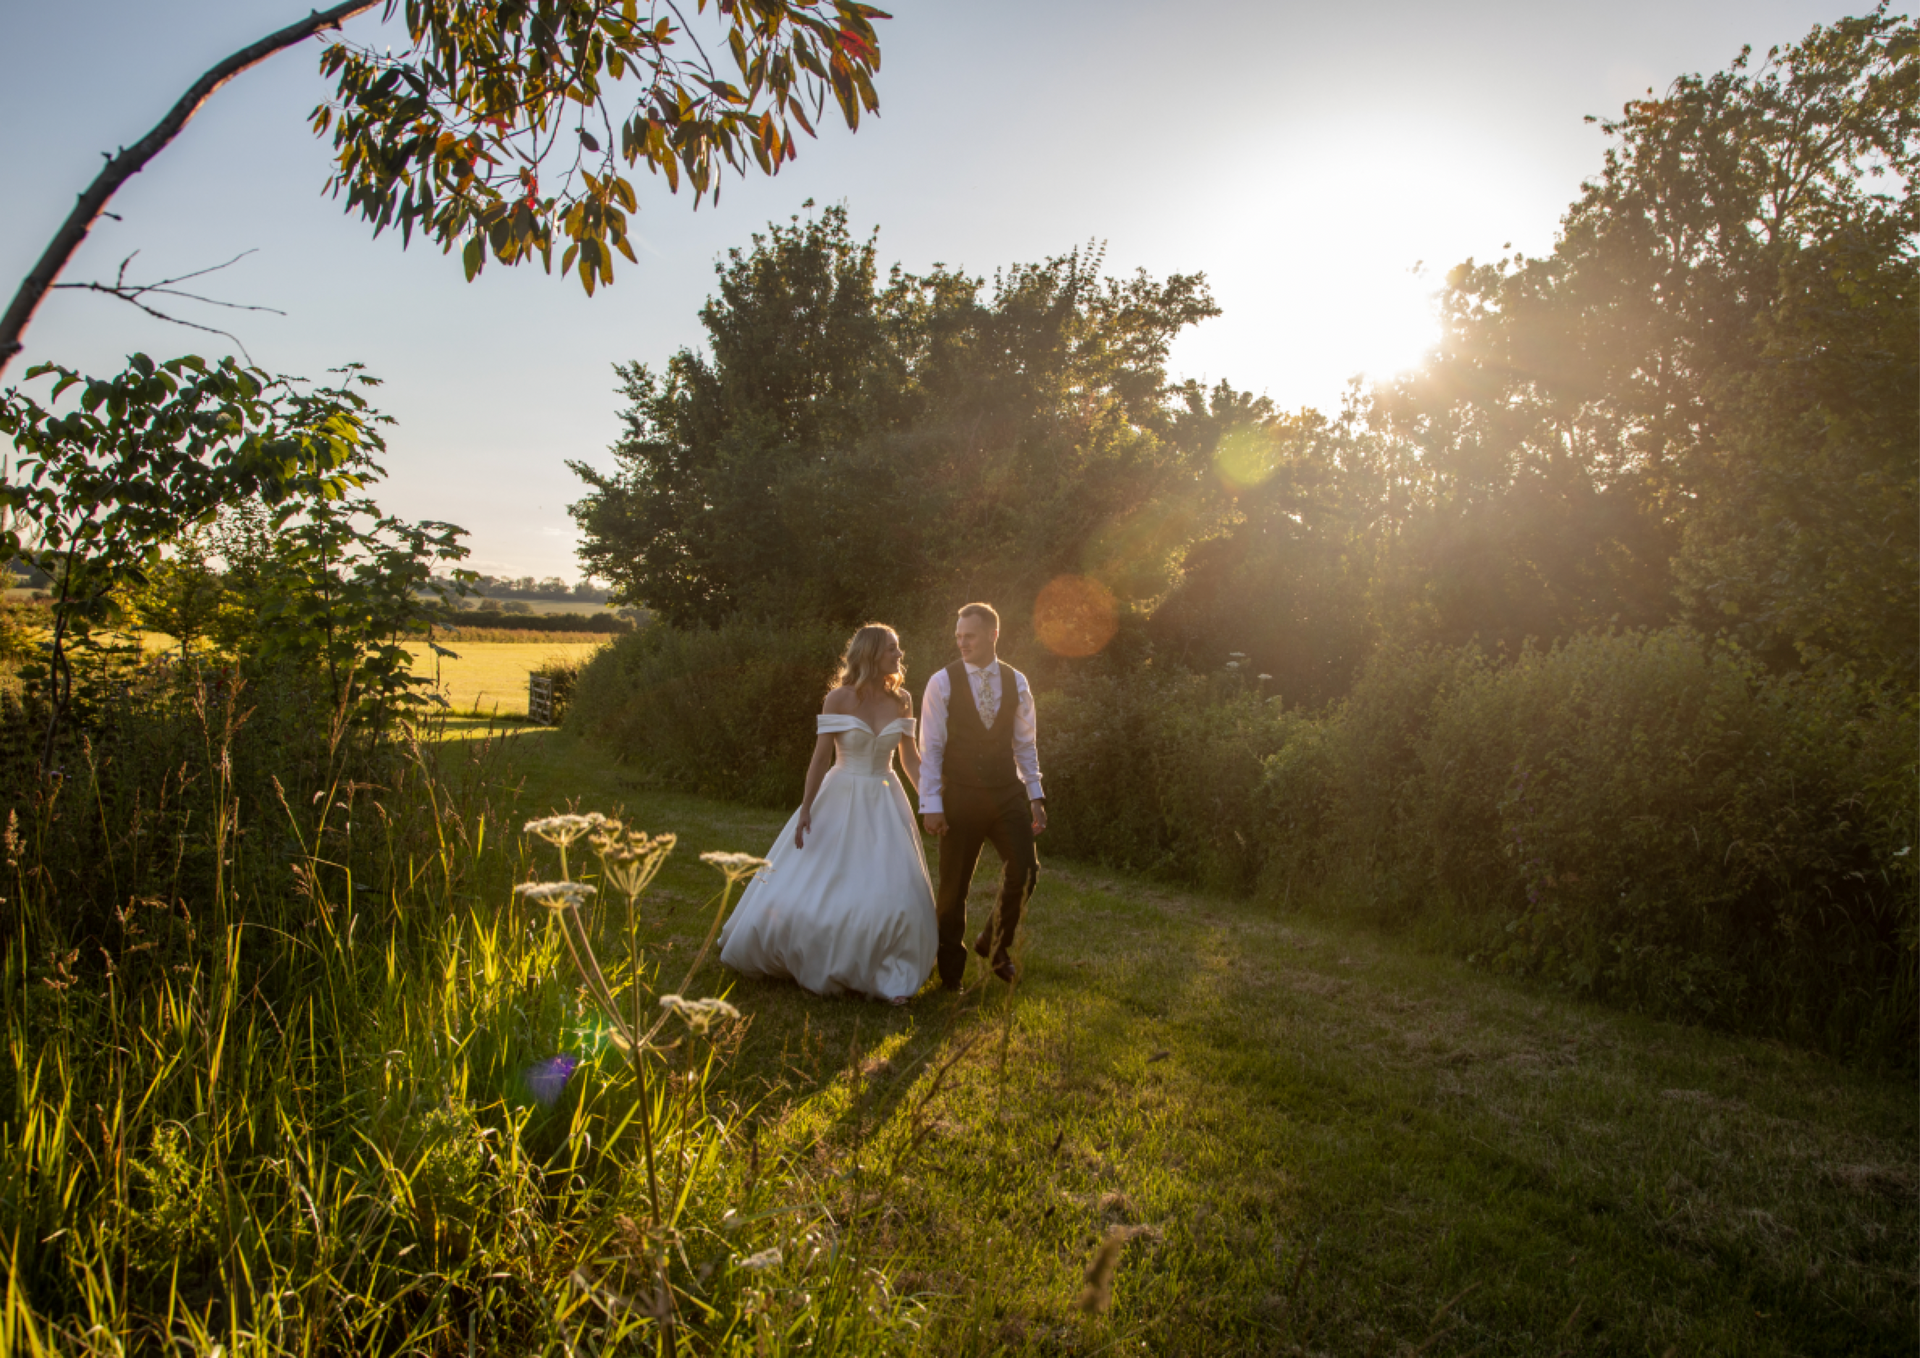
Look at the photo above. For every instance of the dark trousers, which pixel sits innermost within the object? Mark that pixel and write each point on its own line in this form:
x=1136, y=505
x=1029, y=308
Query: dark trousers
x=976, y=816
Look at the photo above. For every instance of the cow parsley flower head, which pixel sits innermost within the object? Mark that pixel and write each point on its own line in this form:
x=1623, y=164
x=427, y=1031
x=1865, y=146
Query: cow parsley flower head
x=554, y=895
x=564, y=829
x=630, y=858
x=699, y=1014
x=735, y=865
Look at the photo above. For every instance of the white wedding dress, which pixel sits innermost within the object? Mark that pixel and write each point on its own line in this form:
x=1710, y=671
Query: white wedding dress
x=852, y=909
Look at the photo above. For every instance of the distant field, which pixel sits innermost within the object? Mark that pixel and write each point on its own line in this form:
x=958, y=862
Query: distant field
x=491, y=676
x=521, y=636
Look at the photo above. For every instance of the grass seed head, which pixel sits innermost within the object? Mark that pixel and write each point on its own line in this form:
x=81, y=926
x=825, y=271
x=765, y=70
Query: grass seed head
x=1096, y=1292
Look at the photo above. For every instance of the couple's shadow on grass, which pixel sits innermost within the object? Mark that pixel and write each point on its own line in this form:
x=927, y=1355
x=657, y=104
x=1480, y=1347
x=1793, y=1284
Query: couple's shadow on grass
x=857, y=1064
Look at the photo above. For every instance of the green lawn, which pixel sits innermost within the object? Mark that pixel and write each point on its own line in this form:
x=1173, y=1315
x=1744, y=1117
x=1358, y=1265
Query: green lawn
x=1325, y=1141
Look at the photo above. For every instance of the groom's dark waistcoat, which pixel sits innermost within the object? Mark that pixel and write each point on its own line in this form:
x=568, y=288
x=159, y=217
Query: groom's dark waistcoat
x=979, y=755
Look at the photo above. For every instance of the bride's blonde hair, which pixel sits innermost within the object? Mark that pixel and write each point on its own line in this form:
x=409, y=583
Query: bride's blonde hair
x=860, y=664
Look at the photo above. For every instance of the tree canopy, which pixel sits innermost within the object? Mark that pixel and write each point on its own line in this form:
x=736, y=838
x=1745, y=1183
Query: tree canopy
x=450, y=136
x=1700, y=406
x=852, y=442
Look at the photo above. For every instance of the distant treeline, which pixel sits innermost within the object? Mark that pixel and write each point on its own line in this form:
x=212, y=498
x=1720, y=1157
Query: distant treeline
x=600, y=624
x=552, y=589
x=24, y=575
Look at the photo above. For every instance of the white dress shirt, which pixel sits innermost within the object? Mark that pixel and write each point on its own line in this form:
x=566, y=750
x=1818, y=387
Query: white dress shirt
x=933, y=731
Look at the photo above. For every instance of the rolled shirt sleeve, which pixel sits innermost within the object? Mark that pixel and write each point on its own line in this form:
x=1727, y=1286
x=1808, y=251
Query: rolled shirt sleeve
x=933, y=743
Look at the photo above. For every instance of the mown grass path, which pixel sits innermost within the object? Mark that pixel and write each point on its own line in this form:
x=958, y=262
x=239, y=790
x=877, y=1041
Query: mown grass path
x=1329, y=1141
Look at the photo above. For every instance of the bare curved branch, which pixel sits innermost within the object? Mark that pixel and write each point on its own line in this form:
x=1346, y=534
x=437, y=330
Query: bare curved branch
x=131, y=160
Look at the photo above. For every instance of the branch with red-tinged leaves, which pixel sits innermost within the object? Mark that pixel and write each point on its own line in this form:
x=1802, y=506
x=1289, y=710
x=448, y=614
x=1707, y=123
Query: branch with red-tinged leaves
x=131, y=160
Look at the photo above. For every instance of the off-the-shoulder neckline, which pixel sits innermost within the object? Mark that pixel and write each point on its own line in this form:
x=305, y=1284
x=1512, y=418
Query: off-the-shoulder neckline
x=848, y=716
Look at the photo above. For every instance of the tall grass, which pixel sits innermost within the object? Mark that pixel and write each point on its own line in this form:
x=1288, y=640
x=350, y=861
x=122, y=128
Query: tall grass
x=289, y=1070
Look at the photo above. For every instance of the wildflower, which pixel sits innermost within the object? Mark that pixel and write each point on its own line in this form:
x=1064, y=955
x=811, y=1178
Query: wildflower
x=764, y=1259
x=1263, y=678
x=564, y=829
x=631, y=857
x=1233, y=664
x=554, y=895
x=1237, y=655
x=735, y=865
x=699, y=1014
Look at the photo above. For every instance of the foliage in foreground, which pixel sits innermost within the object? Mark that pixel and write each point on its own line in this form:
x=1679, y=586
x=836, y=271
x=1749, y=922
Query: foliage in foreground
x=290, y=1071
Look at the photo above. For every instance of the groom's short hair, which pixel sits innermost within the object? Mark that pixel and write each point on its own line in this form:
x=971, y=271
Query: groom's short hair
x=981, y=611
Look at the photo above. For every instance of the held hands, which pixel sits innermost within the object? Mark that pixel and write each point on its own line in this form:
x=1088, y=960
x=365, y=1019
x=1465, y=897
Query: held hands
x=800, y=830
x=936, y=823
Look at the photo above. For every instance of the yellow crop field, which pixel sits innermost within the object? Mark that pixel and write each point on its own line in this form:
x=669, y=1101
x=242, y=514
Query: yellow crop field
x=491, y=676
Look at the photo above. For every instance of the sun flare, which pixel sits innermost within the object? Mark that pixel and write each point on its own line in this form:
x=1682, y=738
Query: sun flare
x=1391, y=327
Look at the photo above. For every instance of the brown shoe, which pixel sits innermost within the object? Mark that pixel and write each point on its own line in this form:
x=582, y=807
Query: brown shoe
x=1007, y=972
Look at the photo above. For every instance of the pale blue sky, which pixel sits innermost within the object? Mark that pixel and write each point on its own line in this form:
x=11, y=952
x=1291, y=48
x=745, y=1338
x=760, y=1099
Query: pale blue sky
x=1303, y=157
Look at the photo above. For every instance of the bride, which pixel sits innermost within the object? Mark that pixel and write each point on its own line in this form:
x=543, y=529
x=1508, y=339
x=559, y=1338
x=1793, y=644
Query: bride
x=845, y=903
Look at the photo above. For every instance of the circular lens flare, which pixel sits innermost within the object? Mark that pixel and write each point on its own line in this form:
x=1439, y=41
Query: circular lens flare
x=1075, y=616
x=1246, y=457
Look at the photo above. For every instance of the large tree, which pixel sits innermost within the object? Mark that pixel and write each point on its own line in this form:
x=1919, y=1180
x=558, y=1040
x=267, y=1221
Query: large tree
x=852, y=443
x=450, y=135
x=1705, y=396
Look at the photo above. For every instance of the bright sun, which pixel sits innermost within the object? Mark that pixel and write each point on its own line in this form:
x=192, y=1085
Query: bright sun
x=1388, y=326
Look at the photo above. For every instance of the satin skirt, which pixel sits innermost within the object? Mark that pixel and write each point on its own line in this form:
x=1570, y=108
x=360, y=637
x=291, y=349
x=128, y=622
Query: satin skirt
x=852, y=910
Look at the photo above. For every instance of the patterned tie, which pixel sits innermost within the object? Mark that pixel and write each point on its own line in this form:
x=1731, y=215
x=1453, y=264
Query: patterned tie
x=986, y=704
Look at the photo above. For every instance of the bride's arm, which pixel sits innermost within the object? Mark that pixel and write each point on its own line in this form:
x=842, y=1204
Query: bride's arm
x=817, y=770
x=909, y=750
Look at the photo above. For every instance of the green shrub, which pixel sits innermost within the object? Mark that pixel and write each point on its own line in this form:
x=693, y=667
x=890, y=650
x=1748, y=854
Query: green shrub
x=1161, y=771
x=1649, y=817
x=1657, y=818
x=726, y=712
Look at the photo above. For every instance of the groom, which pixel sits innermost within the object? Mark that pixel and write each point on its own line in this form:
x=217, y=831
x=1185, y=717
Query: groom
x=980, y=781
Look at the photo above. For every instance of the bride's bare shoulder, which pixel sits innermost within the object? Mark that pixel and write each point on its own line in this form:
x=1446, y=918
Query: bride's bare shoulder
x=906, y=701
x=840, y=701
